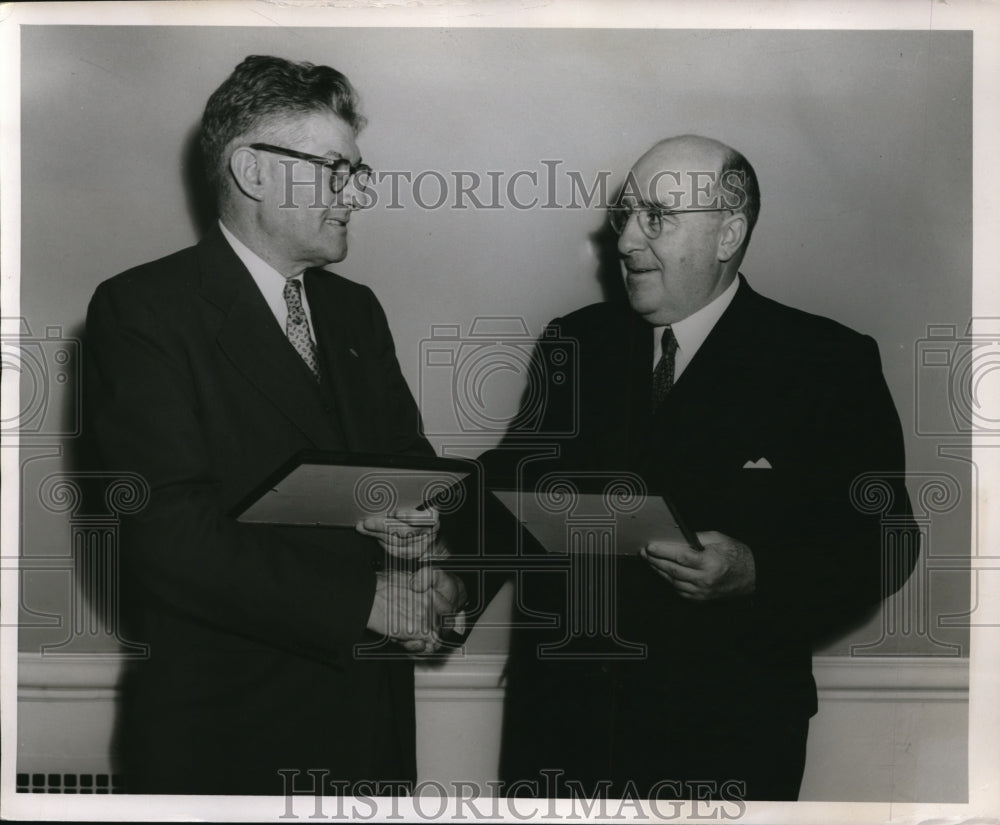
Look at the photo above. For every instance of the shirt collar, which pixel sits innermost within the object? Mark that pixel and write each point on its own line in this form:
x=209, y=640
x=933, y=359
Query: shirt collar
x=260, y=269
x=692, y=331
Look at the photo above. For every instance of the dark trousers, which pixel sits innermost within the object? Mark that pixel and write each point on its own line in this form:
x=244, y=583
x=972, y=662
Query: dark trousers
x=580, y=740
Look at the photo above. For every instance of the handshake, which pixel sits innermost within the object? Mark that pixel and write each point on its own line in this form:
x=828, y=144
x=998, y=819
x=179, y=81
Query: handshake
x=414, y=607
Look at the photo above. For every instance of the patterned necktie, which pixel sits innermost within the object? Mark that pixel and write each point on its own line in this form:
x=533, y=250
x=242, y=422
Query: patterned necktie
x=297, y=327
x=663, y=375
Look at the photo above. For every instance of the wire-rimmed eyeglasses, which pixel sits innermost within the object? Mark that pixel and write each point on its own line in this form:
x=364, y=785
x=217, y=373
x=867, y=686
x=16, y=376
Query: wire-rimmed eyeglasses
x=342, y=171
x=650, y=218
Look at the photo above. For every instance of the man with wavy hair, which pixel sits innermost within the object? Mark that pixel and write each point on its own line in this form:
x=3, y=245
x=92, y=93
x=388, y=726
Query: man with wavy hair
x=210, y=368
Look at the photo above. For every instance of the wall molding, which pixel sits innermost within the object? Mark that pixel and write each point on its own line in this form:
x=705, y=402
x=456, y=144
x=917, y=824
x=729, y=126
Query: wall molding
x=478, y=676
x=892, y=678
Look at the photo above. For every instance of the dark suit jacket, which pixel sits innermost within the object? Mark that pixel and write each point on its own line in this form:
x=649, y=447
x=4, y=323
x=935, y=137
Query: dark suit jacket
x=252, y=630
x=771, y=382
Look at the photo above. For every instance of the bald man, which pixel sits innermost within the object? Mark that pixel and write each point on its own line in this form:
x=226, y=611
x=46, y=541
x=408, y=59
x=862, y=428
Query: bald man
x=756, y=419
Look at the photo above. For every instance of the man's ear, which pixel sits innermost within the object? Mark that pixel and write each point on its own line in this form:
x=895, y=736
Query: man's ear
x=247, y=172
x=734, y=230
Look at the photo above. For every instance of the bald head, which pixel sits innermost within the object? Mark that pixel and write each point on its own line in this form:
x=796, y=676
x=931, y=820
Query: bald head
x=696, y=172
x=692, y=152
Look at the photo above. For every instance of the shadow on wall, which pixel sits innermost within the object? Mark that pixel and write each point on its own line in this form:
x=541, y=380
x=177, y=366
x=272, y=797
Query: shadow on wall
x=609, y=274
x=200, y=197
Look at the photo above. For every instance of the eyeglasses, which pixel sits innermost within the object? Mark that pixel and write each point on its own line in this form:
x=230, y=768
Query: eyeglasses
x=342, y=171
x=650, y=218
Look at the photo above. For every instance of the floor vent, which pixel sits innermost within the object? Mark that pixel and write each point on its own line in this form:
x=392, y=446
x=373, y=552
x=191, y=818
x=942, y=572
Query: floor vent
x=72, y=783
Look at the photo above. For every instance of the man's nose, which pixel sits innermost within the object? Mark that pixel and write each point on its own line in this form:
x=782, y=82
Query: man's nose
x=632, y=238
x=349, y=197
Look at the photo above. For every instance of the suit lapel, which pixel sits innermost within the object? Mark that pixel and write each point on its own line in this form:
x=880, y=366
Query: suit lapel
x=721, y=362
x=615, y=385
x=345, y=359
x=255, y=344
x=640, y=383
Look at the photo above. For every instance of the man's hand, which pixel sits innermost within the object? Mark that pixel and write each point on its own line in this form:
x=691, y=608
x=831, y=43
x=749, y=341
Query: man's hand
x=724, y=568
x=408, y=607
x=448, y=596
x=407, y=534
x=403, y=610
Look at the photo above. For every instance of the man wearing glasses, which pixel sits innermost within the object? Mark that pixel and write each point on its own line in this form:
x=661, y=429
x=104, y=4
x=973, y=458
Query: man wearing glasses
x=209, y=369
x=766, y=426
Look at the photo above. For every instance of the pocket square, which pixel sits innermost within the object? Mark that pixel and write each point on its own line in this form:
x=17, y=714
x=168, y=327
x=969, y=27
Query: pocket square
x=760, y=464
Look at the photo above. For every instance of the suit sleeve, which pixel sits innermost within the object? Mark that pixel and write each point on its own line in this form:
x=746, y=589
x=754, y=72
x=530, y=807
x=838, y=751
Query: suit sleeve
x=849, y=539
x=281, y=587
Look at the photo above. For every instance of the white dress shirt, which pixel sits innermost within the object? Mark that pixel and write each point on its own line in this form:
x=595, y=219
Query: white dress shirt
x=270, y=282
x=692, y=331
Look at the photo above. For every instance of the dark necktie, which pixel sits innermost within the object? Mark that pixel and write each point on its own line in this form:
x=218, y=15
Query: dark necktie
x=663, y=375
x=297, y=327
